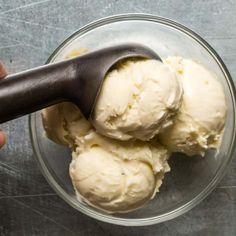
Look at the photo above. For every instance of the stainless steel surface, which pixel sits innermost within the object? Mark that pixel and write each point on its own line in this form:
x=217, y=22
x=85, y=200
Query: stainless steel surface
x=28, y=206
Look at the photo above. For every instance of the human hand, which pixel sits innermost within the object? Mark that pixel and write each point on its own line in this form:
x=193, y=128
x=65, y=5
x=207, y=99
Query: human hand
x=3, y=73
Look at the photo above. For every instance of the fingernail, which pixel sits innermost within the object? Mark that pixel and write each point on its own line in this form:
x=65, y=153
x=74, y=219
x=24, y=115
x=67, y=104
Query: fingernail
x=3, y=72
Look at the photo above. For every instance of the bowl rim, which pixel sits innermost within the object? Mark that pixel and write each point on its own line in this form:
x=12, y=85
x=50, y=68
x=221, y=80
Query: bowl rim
x=221, y=170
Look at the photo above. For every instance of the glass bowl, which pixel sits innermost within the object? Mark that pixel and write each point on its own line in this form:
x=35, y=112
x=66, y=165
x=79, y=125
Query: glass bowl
x=191, y=179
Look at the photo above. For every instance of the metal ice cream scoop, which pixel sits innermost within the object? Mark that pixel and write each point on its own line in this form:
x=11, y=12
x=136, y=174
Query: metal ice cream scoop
x=77, y=80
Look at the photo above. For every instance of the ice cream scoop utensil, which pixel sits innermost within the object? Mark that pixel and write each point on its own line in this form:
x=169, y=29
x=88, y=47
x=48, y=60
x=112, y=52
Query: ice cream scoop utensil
x=77, y=80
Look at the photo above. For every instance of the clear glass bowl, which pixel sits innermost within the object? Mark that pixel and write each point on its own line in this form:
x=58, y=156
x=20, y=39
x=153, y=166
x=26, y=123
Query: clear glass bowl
x=191, y=179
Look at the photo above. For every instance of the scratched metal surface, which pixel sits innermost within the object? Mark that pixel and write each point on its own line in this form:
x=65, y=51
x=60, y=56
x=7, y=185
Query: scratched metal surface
x=29, y=31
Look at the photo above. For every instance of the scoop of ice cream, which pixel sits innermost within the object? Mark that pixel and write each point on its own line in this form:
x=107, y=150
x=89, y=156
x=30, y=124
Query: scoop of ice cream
x=199, y=124
x=116, y=176
x=138, y=99
x=64, y=122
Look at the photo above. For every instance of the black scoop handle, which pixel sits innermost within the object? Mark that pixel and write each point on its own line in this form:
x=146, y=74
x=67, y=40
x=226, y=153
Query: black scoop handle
x=35, y=89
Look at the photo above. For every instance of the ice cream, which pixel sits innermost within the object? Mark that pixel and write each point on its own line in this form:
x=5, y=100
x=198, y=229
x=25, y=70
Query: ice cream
x=117, y=176
x=111, y=175
x=138, y=99
x=64, y=122
x=180, y=102
x=200, y=123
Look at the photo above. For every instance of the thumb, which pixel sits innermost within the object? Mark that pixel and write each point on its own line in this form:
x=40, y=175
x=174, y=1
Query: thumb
x=2, y=138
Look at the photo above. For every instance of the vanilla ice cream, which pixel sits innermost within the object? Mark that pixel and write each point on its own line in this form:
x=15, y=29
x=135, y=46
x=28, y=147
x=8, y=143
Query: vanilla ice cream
x=117, y=176
x=199, y=124
x=179, y=100
x=112, y=175
x=64, y=122
x=138, y=99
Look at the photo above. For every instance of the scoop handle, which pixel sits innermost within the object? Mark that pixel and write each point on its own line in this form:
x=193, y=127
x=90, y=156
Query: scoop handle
x=32, y=90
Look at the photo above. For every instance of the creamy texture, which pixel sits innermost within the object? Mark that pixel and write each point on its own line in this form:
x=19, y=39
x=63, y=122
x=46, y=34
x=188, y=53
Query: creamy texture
x=108, y=174
x=64, y=122
x=138, y=99
x=199, y=124
x=117, y=176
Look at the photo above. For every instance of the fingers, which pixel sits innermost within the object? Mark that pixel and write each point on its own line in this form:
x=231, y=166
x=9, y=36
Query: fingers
x=2, y=138
x=3, y=72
